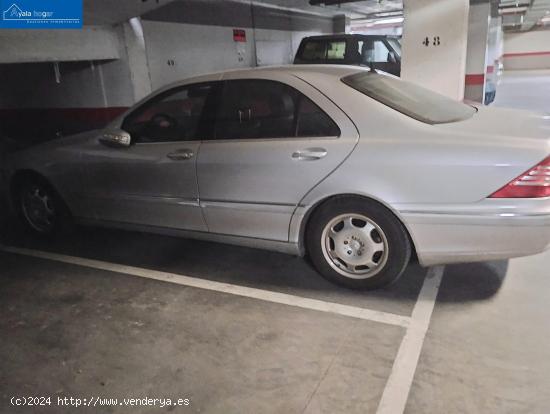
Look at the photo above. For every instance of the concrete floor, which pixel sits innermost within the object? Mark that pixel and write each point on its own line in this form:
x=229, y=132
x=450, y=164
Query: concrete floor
x=74, y=330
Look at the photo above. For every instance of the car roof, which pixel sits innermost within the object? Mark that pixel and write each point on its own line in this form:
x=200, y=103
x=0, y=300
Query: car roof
x=326, y=69
x=301, y=71
x=349, y=36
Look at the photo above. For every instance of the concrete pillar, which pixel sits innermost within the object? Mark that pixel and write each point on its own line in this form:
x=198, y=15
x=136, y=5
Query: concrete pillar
x=494, y=55
x=434, y=45
x=342, y=24
x=137, y=58
x=477, y=55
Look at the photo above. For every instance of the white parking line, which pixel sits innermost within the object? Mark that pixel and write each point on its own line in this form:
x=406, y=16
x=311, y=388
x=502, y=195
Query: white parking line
x=260, y=294
x=396, y=393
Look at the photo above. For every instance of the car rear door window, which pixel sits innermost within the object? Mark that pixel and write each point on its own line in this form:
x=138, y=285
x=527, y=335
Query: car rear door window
x=313, y=121
x=252, y=109
x=174, y=115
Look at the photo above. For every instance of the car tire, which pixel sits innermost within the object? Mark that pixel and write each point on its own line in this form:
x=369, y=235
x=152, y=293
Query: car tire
x=357, y=243
x=40, y=208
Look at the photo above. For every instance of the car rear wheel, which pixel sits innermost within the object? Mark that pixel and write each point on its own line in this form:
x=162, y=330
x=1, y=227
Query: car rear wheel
x=40, y=208
x=357, y=243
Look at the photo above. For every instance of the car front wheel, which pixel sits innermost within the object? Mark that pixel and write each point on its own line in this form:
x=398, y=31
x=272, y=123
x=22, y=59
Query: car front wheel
x=40, y=208
x=357, y=243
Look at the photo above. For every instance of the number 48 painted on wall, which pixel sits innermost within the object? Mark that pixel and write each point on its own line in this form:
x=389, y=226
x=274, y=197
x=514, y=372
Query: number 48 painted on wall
x=436, y=41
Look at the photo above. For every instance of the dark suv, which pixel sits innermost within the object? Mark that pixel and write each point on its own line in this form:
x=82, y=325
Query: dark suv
x=378, y=52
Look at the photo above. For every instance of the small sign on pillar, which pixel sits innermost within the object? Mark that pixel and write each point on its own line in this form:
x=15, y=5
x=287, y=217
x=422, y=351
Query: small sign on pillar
x=239, y=35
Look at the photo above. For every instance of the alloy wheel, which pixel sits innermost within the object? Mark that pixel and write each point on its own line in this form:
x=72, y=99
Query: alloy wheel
x=37, y=205
x=355, y=246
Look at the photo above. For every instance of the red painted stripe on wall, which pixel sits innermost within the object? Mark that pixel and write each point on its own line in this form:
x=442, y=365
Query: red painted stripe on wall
x=477, y=79
x=39, y=123
x=88, y=114
x=511, y=55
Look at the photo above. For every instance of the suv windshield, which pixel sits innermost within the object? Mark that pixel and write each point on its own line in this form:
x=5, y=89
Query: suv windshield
x=395, y=45
x=412, y=100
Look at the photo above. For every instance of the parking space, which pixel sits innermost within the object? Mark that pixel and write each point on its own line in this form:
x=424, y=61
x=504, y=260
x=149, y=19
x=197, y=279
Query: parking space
x=97, y=333
x=222, y=263
x=225, y=350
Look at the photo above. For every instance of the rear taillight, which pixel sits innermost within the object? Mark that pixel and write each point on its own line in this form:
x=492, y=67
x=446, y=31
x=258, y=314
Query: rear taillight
x=534, y=183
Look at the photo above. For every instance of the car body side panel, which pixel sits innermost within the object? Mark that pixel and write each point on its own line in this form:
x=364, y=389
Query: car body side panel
x=401, y=160
x=429, y=176
x=466, y=236
x=250, y=187
x=60, y=162
x=142, y=185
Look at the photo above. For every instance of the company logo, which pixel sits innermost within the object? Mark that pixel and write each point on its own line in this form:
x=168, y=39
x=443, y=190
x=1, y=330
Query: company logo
x=41, y=14
x=15, y=13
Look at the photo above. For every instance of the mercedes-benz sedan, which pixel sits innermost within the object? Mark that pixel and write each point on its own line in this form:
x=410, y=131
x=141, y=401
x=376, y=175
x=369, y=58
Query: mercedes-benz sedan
x=357, y=169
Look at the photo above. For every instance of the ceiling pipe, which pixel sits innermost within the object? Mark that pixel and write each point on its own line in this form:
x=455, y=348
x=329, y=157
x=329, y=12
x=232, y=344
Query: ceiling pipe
x=331, y=2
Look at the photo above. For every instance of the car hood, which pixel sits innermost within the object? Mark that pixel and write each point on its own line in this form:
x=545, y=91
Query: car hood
x=58, y=143
x=35, y=155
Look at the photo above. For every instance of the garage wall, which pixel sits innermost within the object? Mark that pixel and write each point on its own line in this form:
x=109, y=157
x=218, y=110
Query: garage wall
x=176, y=51
x=90, y=43
x=527, y=50
x=34, y=105
x=189, y=38
x=89, y=95
x=179, y=40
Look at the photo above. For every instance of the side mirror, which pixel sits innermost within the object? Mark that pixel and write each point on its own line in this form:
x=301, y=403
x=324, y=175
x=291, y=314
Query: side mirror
x=116, y=138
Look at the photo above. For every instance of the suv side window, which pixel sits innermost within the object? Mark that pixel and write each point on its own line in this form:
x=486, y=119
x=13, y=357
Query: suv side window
x=174, y=115
x=268, y=109
x=336, y=50
x=374, y=51
x=322, y=50
x=314, y=50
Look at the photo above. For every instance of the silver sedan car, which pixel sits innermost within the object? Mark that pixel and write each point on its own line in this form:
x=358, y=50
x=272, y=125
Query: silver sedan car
x=357, y=169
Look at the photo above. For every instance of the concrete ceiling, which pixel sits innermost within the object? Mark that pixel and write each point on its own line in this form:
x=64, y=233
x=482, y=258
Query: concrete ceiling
x=355, y=9
x=517, y=14
x=521, y=15
x=104, y=12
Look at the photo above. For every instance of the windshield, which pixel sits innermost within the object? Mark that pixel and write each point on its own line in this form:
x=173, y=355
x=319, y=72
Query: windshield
x=412, y=100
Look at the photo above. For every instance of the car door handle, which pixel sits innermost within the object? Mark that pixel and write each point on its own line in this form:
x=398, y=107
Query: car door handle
x=309, y=154
x=181, y=155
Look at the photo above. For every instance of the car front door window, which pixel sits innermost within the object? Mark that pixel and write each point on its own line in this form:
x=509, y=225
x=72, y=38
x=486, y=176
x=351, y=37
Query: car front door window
x=172, y=116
